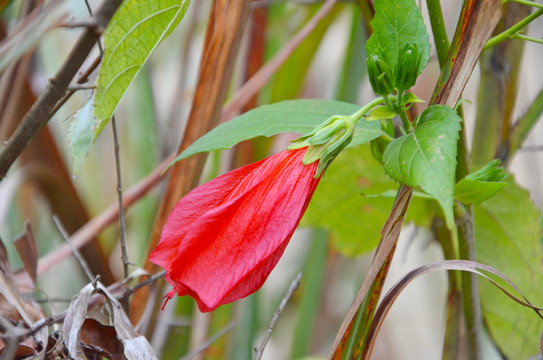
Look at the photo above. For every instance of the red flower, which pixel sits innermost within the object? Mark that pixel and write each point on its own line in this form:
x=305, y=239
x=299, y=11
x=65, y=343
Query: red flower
x=223, y=239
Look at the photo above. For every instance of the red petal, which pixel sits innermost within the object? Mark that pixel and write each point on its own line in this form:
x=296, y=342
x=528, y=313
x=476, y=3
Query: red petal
x=228, y=251
x=190, y=208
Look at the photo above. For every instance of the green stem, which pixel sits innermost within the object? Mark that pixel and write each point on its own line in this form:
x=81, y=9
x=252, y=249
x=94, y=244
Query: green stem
x=438, y=29
x=405, y=121
x=512, y=31
x=387, y=137
x=526, y=2
x=470, y=288
x=528, y=38
x=365, y=109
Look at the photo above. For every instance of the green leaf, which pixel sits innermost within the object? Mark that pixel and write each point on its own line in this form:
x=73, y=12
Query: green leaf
x=80, y=136
x=476, y=191
x=345, y=203
x=427, y=156
x=299, y=116
x=396, y=23
x=508, y=235
x=135, y=31
x=481, y=185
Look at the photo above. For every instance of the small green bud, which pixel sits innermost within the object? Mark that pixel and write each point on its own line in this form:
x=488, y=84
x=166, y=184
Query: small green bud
x=380, y=74
x=407, y=68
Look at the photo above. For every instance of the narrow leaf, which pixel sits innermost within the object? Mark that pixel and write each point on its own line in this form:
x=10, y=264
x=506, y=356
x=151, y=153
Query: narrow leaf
x=396, y=23
x=135, y=31
x=299, y=116
x=509, y=289
x=427, y=156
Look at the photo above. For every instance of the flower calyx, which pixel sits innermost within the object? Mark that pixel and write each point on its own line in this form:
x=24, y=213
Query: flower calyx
x=326, y=141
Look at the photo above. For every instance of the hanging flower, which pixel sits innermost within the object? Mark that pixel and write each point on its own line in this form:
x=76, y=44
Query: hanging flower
x=223, y=239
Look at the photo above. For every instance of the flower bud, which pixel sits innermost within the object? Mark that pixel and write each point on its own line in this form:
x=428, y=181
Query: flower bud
x=407, y=69
x=380, y=75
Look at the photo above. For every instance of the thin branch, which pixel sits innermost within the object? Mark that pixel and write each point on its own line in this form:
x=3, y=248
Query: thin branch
x=38, y=116
x=151, y=280
x=76, y=252
x=83, y=78
x=122, y=223
x=89, y=23
x=74, y=88
x=293, y=287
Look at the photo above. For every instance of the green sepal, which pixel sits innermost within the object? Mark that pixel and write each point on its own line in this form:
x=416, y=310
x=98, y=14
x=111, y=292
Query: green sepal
x=410, y=98
x=380, y=113
x=326, y=141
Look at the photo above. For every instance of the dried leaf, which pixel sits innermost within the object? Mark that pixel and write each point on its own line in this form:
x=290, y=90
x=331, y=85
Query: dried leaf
x=26, y=248
x=25, y=348
x=75, y=317
x=135, y=347
x=100, y=339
